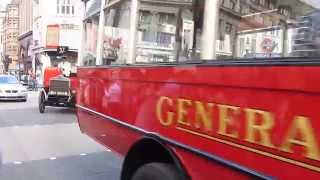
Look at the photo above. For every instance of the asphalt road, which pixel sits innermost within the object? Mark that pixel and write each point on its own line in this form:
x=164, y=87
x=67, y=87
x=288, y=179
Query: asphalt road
x=50, y=146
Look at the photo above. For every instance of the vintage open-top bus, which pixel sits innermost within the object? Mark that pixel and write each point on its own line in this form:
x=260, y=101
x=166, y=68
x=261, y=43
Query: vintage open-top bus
x=203, y=89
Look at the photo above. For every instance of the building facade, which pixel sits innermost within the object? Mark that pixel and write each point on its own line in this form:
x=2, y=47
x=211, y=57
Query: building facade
x=25, y=36
x=2, y=55
x=55, y=24
x=11, y=32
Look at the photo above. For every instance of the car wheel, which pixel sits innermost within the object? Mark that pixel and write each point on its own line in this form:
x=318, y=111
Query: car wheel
x=157, y=171
x=24, y=100
x=41, y=103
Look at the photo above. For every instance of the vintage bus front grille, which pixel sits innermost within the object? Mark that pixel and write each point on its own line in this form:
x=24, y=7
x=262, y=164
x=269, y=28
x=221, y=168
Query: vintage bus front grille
x=59, y=85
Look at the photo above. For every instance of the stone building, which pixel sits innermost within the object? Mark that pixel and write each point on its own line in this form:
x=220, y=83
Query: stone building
x=2, y=55
x=11, y=32
x=25, y=35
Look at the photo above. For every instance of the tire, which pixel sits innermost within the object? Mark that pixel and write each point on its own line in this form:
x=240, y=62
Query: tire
x=25, y=100
x=42, y=106
x=157, y=171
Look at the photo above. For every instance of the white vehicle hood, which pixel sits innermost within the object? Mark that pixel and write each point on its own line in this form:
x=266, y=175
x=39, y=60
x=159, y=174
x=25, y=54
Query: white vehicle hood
x=12, y=87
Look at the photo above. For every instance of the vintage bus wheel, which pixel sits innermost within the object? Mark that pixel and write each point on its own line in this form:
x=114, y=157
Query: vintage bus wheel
x=157, y=171
x=41, y=103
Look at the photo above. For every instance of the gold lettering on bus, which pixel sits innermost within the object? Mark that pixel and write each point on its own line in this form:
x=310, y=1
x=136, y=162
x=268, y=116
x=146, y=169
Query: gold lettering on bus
x=226, y=120
x=263, y=128
x=203, y=115
x=301, y=133
x=243, y=124
x=169, y=115
x=182, y=111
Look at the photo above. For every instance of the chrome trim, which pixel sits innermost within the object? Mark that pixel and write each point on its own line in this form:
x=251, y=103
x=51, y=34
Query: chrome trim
x=255, y=174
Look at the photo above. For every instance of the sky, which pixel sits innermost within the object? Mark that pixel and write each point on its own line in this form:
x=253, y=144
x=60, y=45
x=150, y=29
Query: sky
x=3, y=3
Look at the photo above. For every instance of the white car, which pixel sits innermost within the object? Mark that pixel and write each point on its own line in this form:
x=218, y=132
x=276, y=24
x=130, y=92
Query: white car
x=11, y=89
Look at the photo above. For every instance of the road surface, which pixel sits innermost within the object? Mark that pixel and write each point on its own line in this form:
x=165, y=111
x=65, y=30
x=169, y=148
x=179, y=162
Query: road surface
x=50, y=146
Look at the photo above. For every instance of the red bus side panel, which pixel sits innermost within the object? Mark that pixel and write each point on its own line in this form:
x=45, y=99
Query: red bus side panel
x=262, y=118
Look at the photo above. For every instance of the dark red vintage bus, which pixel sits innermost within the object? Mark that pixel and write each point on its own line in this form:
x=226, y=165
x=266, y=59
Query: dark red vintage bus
x=203, y=89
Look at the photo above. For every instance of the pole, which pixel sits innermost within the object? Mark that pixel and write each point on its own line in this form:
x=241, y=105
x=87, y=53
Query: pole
x=19, y=70
x=133, y=31
x=210, y=29
x=99, y=60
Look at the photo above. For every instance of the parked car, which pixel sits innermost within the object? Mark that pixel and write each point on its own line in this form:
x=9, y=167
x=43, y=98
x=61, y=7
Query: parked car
x=12, y=89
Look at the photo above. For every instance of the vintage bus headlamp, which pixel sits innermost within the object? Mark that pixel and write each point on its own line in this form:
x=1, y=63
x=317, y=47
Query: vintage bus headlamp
x=73, y=91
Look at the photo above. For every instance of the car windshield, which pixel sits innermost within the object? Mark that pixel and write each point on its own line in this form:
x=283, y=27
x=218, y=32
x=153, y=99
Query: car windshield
x=8, y=80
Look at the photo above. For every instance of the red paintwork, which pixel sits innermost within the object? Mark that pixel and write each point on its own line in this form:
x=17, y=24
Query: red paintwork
x=74, y=83
x=49, y=73
x=130, y=94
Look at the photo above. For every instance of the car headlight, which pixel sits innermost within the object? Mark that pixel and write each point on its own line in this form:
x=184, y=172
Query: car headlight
x=23, y=90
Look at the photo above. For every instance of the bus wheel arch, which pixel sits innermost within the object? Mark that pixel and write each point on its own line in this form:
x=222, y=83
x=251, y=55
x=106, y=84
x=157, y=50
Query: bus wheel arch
x=149, y=150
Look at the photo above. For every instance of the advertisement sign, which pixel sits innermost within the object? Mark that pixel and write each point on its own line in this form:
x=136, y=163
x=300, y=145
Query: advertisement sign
x=52, y=36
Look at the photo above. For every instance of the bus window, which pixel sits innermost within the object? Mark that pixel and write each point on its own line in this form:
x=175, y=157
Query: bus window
x=168, y=32
x=269, y=29
x=116, y=33
x=91, y=25
x=172, y=31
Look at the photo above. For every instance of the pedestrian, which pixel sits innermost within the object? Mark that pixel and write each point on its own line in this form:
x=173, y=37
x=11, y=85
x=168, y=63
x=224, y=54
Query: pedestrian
x=34, y=83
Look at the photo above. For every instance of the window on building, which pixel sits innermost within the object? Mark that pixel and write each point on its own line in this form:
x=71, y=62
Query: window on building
x=58, y=6
x=232, y=4
x=65, y=7
x=228, y=28
x=221, y=45
x=267, y=3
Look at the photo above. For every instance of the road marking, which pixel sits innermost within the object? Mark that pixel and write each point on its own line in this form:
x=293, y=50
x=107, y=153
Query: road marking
x=17, y=162
x=83, y=154
x=52, y=158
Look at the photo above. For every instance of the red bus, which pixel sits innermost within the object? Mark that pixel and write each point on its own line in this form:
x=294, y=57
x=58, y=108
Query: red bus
x=203, y=89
